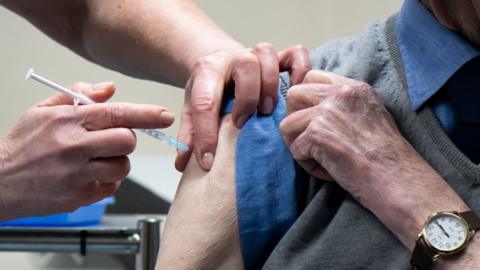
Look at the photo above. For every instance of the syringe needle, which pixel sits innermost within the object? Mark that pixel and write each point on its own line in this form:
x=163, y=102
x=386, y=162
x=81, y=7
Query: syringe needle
x=82, y=99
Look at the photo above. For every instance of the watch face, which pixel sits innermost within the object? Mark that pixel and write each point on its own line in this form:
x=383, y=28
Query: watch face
x=446, y=232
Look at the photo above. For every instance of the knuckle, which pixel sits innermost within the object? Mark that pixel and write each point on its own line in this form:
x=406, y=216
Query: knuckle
x=61, y=115
x=294, y=93
x=367, y=89
x=301, y=67
x=64, y=148
x=307, y=65
x=247, y=60
x=311, y=76
x=266, y=47
x=295, y=150
x=284, y=127
x=315, y=124
x=326, y=108
x=116, y=114
x=348, y=89
x=208, y=62
x=300, y=54
x=299, y=49
x=203, y=103
x=314, y=131
x=361, y=86
x=351, y=93
x=68, y=149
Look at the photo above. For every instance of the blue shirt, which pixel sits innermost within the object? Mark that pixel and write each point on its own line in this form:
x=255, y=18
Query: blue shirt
x=265, y=184
x=431, y=54
x=265, y=170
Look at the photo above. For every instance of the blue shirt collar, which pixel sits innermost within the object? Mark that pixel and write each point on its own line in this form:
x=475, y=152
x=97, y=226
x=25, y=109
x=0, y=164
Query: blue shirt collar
x=431, y=53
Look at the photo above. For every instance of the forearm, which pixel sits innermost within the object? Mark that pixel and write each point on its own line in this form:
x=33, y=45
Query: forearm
x=468, y=259
x=350, y=134
x=411, y=190
x=151, y=39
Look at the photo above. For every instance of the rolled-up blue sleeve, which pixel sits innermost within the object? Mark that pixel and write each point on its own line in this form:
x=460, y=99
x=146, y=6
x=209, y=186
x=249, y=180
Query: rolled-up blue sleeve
x=265, y=185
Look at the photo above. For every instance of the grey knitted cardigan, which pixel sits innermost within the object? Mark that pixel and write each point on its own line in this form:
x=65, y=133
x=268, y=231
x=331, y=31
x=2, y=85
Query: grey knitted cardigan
x=336, y=232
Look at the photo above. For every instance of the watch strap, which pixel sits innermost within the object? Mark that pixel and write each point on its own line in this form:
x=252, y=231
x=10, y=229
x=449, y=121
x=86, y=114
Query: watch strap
x=472, y=219
x=421, y=257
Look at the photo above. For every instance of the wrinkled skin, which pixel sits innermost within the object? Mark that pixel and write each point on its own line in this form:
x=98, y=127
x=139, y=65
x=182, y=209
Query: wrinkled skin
x=462, y=16
x=59, y=157
x=338, y=130
x=254, y=75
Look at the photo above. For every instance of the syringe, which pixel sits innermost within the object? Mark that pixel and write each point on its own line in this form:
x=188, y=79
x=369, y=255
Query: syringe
x=82, y=99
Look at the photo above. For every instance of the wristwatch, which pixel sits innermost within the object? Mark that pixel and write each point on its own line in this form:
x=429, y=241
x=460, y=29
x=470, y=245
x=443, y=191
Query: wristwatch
x=443, y=234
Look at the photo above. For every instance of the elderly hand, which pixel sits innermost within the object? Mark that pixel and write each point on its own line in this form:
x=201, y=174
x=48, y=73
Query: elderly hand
x=337, y=129
x=59, y=158
x=254, y=74
x=334, y=123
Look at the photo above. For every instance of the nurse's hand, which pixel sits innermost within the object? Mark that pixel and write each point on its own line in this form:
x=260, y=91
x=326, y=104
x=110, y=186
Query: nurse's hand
x=253, y=73
x=60, y=157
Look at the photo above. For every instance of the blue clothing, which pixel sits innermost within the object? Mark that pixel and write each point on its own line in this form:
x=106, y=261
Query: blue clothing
x=265, y=170
x=265, y=185
x=431, y=54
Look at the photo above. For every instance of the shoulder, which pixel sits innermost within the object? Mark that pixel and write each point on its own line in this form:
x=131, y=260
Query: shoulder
x=363, y=57
x=372, y=57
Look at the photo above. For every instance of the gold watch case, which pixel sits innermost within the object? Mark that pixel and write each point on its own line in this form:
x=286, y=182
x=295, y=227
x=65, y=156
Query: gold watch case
x=437, y=253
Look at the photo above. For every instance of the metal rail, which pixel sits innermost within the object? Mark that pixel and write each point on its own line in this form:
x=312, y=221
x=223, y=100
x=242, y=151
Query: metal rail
x=142, y=240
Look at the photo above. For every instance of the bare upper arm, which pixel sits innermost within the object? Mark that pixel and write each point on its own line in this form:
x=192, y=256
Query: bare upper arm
x=201, y=231
x=59, y=19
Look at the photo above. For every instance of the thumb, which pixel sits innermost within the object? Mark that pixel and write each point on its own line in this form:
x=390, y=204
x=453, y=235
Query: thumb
x=99, y=92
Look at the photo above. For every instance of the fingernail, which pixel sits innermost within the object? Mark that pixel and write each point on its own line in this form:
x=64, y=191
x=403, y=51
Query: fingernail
x=207, y=160
x=267, y=105
x=241, y=120
x=102, y=86
x=167, y=117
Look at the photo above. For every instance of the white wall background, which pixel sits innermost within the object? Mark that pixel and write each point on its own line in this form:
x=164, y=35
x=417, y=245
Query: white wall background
x=283, y=22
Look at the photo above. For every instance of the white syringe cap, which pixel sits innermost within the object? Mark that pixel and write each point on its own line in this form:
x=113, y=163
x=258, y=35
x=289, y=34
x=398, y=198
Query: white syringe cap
x=29, y=73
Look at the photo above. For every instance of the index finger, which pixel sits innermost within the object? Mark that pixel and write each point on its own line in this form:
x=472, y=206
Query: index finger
x=296, y=123
x=206, y=95
x=296, y=60
x=307, y=95
x=269, y=69
x=111, y=115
